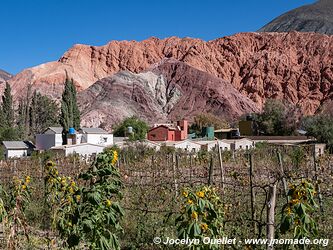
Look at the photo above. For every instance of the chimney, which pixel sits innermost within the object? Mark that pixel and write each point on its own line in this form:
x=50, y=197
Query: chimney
x=184, y=128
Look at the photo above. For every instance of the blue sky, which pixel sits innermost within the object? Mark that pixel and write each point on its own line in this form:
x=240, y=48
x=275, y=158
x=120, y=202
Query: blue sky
x=38, y=31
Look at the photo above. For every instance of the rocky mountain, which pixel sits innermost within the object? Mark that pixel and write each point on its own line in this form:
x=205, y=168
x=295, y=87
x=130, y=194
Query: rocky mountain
x=168, y=91
x=293, y=66
x=317, y=17
x=4, y=76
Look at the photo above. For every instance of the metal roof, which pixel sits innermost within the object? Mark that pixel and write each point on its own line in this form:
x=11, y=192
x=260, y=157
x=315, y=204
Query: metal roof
x=57, y=130
x=94, y=131
x=17, y=144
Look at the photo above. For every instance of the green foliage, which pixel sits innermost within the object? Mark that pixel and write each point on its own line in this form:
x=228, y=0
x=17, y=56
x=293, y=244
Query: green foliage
x=88, y=214
x=7, y=108
x=206, y=120
x=297, y=156
x=321, y=127
x=278, y=118
x=8, y=130
x=201, y=216
x=140, y=128
x=12, y=210
x=43, y=113
x=297, y=214
x=70, y=114
x=9, y=134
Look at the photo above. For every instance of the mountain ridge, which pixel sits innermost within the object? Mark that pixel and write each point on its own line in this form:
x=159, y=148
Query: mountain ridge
x=293, y=66
x=169, y=91
x=316, y=17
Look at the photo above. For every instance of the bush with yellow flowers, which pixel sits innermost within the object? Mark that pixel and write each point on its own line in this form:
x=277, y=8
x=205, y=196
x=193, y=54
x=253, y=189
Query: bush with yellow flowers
x=201, y=215
x=12, y=210
x=297, y=213
x=89, y=215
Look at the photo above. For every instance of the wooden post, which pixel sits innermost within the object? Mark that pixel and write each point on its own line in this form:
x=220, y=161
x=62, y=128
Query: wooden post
x=174, y=159
x=320, y=198
x=284, y=182
x=211, y=171
x=271, y=214
x=221, y=168
x=253, y=196
x=191, y=169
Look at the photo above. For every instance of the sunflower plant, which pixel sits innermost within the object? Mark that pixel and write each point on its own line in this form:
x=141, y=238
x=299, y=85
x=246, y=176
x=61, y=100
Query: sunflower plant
x=12, y=210
x=201, y=216
x=297, y=213
x=88, y=215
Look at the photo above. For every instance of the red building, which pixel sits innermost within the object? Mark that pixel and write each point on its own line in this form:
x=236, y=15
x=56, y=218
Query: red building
x=169, y=132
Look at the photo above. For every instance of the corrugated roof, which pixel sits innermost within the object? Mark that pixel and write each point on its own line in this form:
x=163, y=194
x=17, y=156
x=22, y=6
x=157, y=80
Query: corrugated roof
x=57, y=130
x=93, y=131
x=17, y=144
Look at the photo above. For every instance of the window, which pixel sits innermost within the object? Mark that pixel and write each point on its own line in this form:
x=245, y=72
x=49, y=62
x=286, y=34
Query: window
x=225, y=148
x=240, y=146
x=105, y=139
x=247, y=147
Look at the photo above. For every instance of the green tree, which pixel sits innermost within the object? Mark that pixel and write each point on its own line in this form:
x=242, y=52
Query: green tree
x=7, y=107
x=321, y=127
x=21, y=117
x=140, y=128
x=43, y=113
x=8, y=130
x=9, y=134
x=278, y=118
x=70, y=114
x=205, y=120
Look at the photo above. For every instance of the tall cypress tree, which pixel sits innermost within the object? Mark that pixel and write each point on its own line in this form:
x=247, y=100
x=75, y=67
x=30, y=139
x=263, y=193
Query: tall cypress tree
x=43, y=113
x=7, y=107
x=70, y=114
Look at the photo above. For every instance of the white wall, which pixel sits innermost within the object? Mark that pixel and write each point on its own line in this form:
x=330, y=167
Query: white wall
x=189, y=146
x=83, y=150
x=243, y=144
x=47, y=141
x=10, y=153
x=223, y=145
x=99, y=139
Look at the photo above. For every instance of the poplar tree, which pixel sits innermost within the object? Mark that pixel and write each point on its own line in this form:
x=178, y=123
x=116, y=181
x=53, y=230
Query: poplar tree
x=70, y=114
x=43, y=113
x=7, y=108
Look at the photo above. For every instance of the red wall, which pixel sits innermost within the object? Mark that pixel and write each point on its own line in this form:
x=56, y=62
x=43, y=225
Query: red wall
x=161, y=134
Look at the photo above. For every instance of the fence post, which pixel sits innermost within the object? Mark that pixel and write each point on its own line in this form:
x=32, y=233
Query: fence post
x=221, y=168
x=271, y=214
x=191, y=169
x=283, y=177
x=253, y=196
x=211, y=171
x=320, y=198
x=174, y=162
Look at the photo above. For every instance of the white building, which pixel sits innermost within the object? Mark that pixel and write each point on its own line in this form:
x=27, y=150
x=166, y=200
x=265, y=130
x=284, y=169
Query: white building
x=17, y=149
x=82, y=149
x=123, y=142
x=187, y=145
x=213, y=144
x=52, y=137
x=207, y=145
x=96, y=136
x=224, y=145
x=240, y=144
